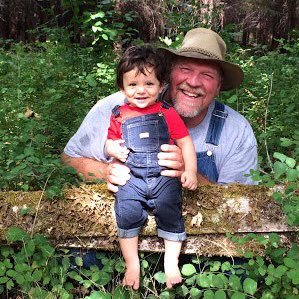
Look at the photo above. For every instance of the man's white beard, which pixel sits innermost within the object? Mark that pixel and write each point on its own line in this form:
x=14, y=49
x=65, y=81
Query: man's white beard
x=186, y=114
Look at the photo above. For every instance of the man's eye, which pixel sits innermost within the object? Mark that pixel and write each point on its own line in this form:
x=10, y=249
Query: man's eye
x=208, y=75
x=183, y=68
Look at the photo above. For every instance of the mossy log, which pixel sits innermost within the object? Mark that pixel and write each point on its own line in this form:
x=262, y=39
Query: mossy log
x=84, y=217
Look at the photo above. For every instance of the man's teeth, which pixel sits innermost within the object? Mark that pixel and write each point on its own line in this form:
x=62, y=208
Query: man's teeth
x=190, y=94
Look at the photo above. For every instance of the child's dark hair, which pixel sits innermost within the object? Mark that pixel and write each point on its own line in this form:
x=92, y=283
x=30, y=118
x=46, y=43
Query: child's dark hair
x=140, y=57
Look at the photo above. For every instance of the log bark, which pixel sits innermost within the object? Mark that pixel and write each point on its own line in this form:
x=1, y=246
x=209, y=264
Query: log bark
x=84, y=217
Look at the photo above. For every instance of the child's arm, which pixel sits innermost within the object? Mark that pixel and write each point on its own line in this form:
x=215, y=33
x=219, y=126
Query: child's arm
x=189, y=176
x=116, y=149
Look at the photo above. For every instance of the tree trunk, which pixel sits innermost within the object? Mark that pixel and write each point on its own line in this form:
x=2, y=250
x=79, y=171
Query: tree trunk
x=85, y=217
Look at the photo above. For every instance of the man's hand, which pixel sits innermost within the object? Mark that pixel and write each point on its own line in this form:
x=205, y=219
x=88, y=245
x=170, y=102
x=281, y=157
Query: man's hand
x=117, y=174
x=171, y=157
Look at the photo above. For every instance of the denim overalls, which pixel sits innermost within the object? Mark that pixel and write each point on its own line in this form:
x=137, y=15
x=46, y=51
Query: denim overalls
x=147, y=189
x=206, y=160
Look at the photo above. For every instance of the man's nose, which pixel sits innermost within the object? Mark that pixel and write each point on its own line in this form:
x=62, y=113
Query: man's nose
x=194, y=80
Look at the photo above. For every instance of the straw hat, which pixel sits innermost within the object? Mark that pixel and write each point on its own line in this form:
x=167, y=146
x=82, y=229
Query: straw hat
x=202, y=43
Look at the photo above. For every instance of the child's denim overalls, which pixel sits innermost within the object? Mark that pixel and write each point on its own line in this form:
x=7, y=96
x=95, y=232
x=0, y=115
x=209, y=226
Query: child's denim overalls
x=206, y=160
x=147, y=189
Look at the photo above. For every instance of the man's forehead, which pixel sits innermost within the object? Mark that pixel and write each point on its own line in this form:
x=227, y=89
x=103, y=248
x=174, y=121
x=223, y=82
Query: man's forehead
x=188, y=61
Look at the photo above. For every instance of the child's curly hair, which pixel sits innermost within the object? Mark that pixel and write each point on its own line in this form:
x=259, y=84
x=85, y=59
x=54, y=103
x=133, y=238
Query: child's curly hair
x=142, y=58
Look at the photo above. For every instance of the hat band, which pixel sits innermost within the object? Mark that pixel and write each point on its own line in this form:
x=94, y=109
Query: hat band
x=200, y=51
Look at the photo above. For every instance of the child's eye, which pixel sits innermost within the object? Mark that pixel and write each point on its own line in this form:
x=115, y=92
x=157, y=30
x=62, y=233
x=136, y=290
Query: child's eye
x=149, y=83
x=132, y=84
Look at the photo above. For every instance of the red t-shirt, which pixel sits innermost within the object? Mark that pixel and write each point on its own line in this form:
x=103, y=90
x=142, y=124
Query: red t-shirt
x=176, y=127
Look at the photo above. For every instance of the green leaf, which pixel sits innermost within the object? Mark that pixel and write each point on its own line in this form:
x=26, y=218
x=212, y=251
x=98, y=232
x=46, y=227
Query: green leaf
x=203, y=280
x=105, y=36
x=15, y=234
x=120, y=292
x=4, y=279
x=262, y=271
x=279, y=156
x=220, y=294
x=250, y=286
x=238, y=295
x=120, y=266
x=232, y=99
x=37, y=275
x=294, y=275
x=208, y=294
x=280, y=271
x=10, y=284
x=290, y=263
x=29, y=248
x=277, y=196
x=225, y=266
x=144, y=264
x=292, y=175
x=38, y=293
x=195, y=293
x=279, y=168
x=234, y=282
x=20, y=279
x=188, y=270
x=215, y=266
x=182, y=291
x=217, y=281
x=87, y=283
x=285, y=142
x=100, y=14
x=79, y=261
x=160, y=277
x=290, y=162
x=91, y=80
x=166, y=295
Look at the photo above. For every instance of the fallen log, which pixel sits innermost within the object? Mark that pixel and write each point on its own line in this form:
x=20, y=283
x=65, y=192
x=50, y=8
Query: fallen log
x=84, y=217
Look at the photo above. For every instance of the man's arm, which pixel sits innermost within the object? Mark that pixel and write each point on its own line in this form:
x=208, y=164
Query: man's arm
x=90, y=169
x=115, y=173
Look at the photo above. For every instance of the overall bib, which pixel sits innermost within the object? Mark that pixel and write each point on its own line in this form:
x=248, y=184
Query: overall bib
x=206, y=160
x=147, y=189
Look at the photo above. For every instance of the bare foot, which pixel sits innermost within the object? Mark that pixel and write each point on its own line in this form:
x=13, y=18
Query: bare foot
x=131, y=278
x=173, y=274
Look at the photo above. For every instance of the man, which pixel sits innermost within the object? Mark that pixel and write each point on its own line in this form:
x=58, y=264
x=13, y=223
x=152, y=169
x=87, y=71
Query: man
x=224, y=141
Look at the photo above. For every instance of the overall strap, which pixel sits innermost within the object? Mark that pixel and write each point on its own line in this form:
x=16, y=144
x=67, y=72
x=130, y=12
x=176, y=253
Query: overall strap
x=216, y=124
x=165, y=104
x=116, y=111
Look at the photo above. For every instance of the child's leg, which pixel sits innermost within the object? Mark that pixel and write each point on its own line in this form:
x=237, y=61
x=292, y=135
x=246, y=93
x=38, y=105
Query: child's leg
x=171, y=262
x=129, y=249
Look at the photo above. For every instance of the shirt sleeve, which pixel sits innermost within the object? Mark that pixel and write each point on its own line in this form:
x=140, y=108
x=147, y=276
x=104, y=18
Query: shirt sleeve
x=237, y=165
x=90, y=138
x=114, y=131
x=176, y=126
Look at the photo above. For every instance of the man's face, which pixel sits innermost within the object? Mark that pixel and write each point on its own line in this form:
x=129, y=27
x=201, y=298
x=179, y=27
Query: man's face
x=193, y=85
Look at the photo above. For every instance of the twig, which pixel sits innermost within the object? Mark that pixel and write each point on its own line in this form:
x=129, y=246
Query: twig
x=265, y=123
x=38, y=205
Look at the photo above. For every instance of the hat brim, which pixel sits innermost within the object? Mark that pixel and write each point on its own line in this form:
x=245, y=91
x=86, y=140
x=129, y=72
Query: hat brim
x=232, y=74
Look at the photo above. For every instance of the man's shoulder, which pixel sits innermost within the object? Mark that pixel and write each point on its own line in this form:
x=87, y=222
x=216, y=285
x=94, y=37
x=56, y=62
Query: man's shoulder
x=110, y=101
x=235, y=117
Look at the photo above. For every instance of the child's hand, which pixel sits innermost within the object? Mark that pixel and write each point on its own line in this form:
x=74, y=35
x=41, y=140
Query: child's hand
x=118, y=150
x=189, y=180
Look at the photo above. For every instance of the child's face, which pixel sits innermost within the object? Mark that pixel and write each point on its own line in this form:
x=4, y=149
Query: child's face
x=141, y=90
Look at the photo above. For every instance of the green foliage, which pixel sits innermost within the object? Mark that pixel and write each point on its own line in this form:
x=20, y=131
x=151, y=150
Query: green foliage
x=46, y=90
x=31, y=266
